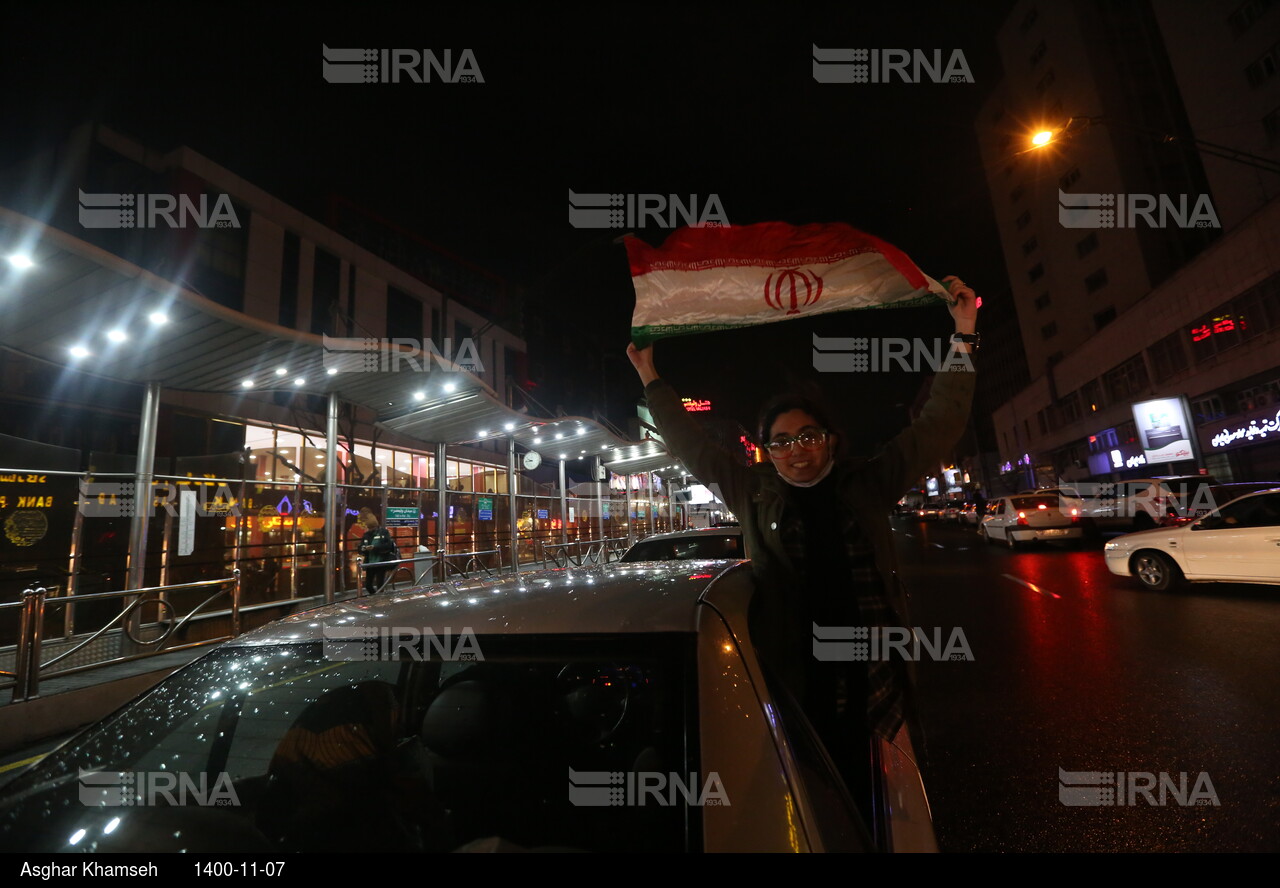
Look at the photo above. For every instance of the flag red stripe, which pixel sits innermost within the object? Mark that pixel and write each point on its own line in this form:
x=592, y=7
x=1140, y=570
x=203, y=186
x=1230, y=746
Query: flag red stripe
x=765, y=244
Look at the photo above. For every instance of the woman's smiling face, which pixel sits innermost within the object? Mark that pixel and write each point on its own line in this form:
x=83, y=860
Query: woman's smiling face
x=801, y=464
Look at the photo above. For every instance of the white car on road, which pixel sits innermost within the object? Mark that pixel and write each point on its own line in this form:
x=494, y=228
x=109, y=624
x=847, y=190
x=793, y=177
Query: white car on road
x=1026, y=518
x=1238, y=543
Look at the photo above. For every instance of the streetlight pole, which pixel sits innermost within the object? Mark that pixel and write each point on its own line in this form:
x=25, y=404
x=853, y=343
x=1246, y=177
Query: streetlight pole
x=1075, y=125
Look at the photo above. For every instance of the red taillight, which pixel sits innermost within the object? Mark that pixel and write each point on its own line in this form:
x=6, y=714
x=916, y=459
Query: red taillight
x=1022, y=517
x=1042, y=506
x=1075, y=514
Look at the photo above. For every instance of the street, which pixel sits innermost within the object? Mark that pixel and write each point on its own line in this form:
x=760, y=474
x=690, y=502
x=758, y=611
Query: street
x=1080, y=670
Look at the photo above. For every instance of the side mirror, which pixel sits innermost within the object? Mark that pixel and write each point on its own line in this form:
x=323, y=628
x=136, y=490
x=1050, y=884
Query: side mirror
x=1209, y=522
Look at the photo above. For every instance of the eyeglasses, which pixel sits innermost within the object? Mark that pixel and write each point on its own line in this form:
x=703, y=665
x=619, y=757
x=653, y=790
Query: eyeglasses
x=807, y=440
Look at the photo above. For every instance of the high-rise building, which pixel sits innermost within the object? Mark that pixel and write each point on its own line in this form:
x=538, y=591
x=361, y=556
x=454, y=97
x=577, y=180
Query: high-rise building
x=1143, y=242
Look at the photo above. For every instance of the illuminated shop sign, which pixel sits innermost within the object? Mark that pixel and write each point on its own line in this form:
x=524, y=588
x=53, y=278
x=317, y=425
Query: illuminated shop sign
x=696, y=406
x=1224, y=324
x=1256, y=429
x=24, y=510
x=1024, y=460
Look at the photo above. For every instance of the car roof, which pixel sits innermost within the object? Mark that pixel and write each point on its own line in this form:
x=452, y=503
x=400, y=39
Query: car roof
x=730, y=529
x=1207, y=479
x=644, y=597
x=1251, y=493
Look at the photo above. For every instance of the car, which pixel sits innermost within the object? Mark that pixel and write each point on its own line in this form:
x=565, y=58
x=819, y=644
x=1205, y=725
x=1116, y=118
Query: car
x=1068, y=498
x=1014, y=520
x=1237, y=543
x=971, y=514
x=610, y=708
x=928, y=512
x=723, y=541
x=1143, y=503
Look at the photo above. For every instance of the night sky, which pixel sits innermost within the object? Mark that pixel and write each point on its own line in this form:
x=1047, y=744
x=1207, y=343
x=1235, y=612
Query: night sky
x=593, y=99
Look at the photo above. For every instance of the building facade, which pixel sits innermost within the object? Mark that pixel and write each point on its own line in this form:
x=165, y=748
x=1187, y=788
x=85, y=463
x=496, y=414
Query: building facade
x=1141, y=244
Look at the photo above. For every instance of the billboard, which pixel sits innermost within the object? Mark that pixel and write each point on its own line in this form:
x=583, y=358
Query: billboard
x=1164, y=431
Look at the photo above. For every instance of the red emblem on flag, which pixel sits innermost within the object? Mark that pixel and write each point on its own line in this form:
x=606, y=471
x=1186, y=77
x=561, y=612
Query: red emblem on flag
x=793, y=287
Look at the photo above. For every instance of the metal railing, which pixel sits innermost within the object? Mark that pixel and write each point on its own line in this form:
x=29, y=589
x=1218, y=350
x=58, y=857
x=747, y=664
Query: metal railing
x=472, y=563
x=467, y=564
x=583, y=552
x=462, y=564
x=28, y=667
x=401, y=565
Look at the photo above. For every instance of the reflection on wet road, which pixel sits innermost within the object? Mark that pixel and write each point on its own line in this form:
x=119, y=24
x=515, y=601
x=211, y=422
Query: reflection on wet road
x=1077, y=670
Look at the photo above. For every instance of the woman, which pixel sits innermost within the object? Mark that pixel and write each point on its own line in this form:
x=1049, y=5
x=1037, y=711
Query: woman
x=816, y=529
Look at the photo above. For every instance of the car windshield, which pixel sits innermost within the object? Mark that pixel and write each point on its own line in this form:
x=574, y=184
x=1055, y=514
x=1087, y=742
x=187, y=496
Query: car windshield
x=469, y=742
x=711, y=545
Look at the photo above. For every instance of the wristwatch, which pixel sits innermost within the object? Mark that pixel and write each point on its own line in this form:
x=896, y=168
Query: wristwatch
x=968, y=338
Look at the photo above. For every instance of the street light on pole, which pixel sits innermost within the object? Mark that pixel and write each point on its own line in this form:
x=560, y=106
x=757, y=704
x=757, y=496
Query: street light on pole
x=1075, y=125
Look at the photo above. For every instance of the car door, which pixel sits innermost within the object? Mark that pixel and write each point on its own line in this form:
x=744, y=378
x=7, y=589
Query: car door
x=1000, y=520
x=1240, y=542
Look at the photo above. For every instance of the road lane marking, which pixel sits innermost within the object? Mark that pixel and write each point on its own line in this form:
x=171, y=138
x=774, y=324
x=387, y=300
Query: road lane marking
x=940, y=546
x=23, y=763
x=1032, y=586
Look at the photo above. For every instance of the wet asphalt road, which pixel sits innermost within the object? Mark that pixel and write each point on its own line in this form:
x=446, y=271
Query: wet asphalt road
x=1092, y=673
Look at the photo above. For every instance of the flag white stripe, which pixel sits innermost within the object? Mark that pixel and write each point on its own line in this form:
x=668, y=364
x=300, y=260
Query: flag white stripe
x=736, y=295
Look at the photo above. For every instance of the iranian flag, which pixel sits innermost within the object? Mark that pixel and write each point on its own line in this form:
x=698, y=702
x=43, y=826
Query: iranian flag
x=719, y=278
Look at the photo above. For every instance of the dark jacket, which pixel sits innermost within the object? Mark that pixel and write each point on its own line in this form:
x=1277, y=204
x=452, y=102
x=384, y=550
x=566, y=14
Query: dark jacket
x=377, y=545
x=868, y=488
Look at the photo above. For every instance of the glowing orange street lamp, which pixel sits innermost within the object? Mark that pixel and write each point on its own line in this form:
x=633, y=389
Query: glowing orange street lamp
x=1075, y=124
